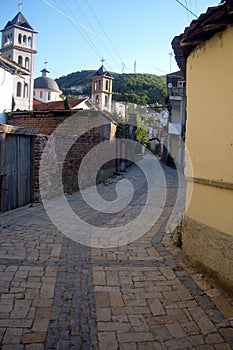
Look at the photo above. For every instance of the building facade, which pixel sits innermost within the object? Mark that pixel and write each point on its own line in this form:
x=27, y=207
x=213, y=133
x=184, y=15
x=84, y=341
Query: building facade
x=177, y=118
x=18, y=44
x=205, y=52
x=8, y=70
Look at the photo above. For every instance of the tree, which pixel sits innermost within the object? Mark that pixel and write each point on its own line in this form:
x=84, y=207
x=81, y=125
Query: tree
x=66, y=103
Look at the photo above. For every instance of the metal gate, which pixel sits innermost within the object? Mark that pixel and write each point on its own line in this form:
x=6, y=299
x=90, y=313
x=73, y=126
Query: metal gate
x=16, y=167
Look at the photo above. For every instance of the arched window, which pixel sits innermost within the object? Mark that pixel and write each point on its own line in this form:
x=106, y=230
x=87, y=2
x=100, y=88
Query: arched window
x=25, y=90
x=97, y=85
x=49, y=95
x=19, y=89
x=29, y=41
x=19, y=39
x=8, y=39
x=27, y=63
x=20, y=60
x=25, y=40
x=106, y=85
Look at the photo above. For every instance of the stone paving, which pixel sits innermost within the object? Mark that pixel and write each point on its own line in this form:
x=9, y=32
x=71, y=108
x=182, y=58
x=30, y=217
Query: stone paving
x=59, y=294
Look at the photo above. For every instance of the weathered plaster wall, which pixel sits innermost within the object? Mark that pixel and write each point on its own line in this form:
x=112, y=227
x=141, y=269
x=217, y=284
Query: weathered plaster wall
x=208, y=228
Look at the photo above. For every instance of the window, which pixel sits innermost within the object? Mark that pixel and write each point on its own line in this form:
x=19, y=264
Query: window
x=19, y=39
x=97, y=85
x=29, y=41
x=20, y=60
x=106, y=85
x=49, y=95
x=97, y=100
x=41, y=94
x=9, y=39
x=27, y=63
x=19, y=89
x=24, y=40
x=34, y=93
x=106, y=100
x=25, y=90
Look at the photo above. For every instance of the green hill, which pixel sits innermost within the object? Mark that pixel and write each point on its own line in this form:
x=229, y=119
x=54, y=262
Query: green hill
x=136, y=88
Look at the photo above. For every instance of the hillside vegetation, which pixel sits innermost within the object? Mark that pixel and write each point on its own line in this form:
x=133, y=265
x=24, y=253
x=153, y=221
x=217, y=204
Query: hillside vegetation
x=136, y=88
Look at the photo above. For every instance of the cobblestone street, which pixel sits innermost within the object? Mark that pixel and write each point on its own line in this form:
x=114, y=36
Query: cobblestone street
x=59, y=294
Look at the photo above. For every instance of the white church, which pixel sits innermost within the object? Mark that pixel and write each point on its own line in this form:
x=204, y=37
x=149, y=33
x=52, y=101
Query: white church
x=17, y=58
x=18, y=45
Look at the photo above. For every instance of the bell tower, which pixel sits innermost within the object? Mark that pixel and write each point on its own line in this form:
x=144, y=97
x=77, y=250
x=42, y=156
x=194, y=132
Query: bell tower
x=102, y=89
x=18, y=44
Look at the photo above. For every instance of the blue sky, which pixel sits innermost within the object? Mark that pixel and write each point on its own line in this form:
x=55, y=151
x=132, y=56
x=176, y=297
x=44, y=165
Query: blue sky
x=74, y=35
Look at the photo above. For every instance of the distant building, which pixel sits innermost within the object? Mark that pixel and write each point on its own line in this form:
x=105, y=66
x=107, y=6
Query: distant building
x=18, y=44
x=102, y=89
x=177, y=118
x=46, y=89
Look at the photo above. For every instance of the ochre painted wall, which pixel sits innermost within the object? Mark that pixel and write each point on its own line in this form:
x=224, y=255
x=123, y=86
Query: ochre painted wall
x=209, y=137
x=208, y=225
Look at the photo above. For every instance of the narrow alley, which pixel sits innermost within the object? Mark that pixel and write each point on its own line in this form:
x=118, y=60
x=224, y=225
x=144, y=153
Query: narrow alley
x=59, y=294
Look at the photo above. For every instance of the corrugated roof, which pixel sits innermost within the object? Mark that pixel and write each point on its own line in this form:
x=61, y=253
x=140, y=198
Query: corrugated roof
x=202, y=29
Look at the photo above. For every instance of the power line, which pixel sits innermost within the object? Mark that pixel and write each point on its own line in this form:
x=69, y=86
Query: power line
x=187, y=10
x=93, y=29
x=75, y=23
x=179, y=2
x=82, y=29
x=105, y=32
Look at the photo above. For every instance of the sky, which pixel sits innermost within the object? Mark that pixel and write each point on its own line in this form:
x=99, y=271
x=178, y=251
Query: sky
x=74, y=35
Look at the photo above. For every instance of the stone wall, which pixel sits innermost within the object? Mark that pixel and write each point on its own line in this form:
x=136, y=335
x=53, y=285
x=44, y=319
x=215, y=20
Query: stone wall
x=94, y=129
x=210, y=250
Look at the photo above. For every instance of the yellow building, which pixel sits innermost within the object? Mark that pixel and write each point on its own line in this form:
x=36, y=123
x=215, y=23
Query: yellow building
x=205, y=53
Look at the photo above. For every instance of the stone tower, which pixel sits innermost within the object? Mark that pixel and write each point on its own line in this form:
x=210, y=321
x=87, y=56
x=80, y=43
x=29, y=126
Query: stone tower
x=102, y=89
x=18, y=44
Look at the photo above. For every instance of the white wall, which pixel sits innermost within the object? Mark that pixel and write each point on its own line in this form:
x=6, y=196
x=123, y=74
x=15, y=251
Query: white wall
x=6, y=88
x=55, y=96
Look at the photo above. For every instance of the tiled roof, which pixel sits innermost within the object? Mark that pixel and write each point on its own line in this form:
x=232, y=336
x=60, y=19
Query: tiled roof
x=57, y=105
x=202, y=29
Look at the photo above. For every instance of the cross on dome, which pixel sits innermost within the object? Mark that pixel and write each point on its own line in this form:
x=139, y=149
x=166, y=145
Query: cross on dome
x=45, y=63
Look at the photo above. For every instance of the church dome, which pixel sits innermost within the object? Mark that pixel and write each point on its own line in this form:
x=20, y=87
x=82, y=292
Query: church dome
x=45, y=83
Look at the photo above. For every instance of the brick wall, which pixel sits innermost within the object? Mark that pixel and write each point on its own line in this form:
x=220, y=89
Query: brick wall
x=45, y=123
